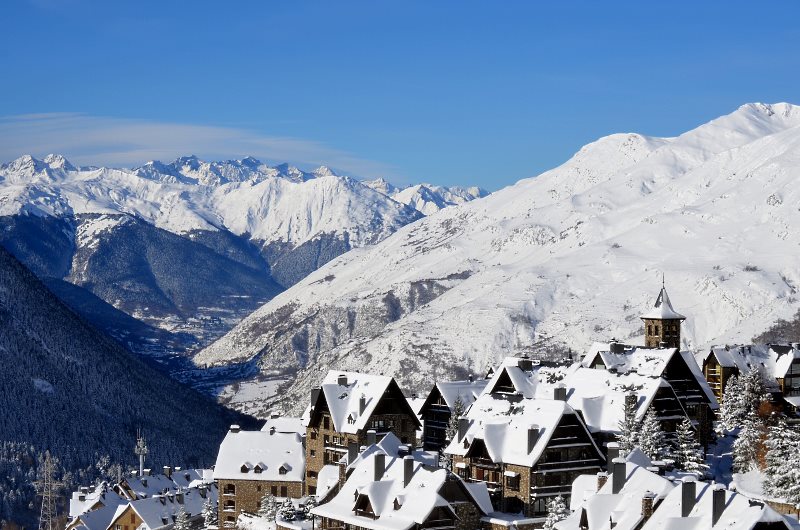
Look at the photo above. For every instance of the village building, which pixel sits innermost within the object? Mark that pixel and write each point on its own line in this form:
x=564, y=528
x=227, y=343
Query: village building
x=622, y=499
x=391, y=487
x=344, y=409
x=438, y=408
x=89, y=499
x=149, y=513
x=527, y=448
x=251, y=464
x=779, y=364
x=679, y=369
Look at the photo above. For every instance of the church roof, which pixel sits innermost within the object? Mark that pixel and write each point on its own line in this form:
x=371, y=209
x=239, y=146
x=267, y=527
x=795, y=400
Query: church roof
x=663, y=310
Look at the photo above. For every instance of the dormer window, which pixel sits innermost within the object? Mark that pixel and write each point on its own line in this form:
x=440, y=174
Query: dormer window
x=282, y=470
x=350, y=419
x=245, y=469
x=257, y=469
x=397, y=504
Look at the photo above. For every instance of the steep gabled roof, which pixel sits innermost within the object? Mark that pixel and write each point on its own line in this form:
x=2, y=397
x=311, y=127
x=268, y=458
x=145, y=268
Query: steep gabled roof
x=502, y=425
x=396, y=506
x=662, y=309
x=344, y=401
x=248, y=449
x=154, y=510
x=773, y=360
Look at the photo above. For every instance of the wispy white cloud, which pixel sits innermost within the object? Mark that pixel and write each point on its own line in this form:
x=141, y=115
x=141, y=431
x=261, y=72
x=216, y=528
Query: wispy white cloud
x=123, y=142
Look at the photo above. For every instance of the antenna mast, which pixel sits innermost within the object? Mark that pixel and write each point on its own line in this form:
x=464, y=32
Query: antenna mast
x=140, y=450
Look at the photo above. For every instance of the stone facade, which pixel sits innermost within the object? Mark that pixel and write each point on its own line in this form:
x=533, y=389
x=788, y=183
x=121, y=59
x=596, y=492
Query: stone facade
x=325, y=445
x=658, y=333
x=237, y=496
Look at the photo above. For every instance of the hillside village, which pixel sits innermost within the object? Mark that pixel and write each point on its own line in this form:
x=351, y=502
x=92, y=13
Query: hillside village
x=626, y=437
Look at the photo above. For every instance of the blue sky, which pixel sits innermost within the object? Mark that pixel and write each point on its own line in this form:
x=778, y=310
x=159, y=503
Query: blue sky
x=471, y=93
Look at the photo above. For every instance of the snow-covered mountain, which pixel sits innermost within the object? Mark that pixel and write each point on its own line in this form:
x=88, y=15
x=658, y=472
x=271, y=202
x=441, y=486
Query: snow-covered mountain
x=427, y=198
x=557, y=261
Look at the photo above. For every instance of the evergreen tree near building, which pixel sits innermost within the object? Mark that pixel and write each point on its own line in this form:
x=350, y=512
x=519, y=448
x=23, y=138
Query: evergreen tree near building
x=652, y=441
x=286, y=511
x=556, y=511
x=452, y=425
x=688, y=452
x=209, y=514
x=734, y=408
x=311, y=502
x=268, y=508
x=182, y=520
x=628, y=436
x=748, y=443
x=754, y=389
x=781, y=473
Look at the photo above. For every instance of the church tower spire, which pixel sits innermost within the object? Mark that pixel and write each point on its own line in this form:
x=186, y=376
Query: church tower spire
x=662, y=324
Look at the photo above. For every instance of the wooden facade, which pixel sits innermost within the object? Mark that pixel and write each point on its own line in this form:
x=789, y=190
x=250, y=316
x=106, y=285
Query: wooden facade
x=570, y=452
x=435, y=414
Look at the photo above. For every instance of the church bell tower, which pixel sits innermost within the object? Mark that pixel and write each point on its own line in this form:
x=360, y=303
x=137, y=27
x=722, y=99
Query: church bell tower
x=662, y=324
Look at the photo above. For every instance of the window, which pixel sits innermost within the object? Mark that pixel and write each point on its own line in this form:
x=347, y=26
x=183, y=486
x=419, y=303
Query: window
x=512, y=483
x=257, y=469
x=313, y=453
x=326, y=423
x=274, y=491
x=326, y=440
x=463, y=472
x=539, y=506
x=282, y=470
x=258, y=488
x=283, y=491
x=312, y=490
x=313, y=435
x=311, y=474
x=230, y=489
x=229, y=506
x=133, y=518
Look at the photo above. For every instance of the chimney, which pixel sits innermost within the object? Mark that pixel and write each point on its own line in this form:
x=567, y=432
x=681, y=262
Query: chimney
x=235, y=428
x=380, y=466
x=272, y=430
x=144, y=482
x=688, y=496
x=560, y=393
x=202, y=490
x=463, y=425
x=179, y=497
x=718, y=504
x=648, y=499
x=81, y=497
x=533, y=437
x=342, y=473
x=352, y=451
x=371, y=437
x=168, y=472
x=618, y=478
x=612, y=452
x=362, y=404
x=471, y=378
x=146, y=473
x=408, y=470
x=403, y=450
x=342, y=380
x=602, y=478
x=525, y=364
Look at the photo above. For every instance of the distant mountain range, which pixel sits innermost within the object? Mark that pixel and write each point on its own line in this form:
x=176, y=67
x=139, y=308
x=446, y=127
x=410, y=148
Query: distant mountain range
x=167, y=256
x=555, y=262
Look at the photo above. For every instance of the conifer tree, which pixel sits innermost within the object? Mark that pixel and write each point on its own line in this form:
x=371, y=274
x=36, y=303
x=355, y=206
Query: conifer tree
x=311, y=502
x=628, y=436
x=286, y=511
x=651, y=438
x=209, y=514
x=556, y=511
x=783, y=449
x=755, y=390
x=452, y=425
x=688, y=452
x=733, y=409
x=747, y=444
x=269, y=507
x=181, y=520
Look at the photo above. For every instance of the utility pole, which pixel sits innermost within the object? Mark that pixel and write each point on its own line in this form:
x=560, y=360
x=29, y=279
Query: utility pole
x=48, y=488
x=141, y=451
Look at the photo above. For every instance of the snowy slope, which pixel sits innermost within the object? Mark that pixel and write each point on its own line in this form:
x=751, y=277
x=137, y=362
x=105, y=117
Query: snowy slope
x=427, y=198
x=573, y=255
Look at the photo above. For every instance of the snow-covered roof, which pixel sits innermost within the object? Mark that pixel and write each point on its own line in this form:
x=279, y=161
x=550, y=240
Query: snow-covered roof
x=503, y=424
x=600, y=395
x=396, y=506
x=286, y=425
x=344, y=401
x=243, y=453
x=771, y=359
x=662, y=309
x=190, y=478
x=650, y=362
x=98, y=494
x=153, y=511
x=146, y=486
x=739, y=512
x=623, y=508
x=467, y=390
